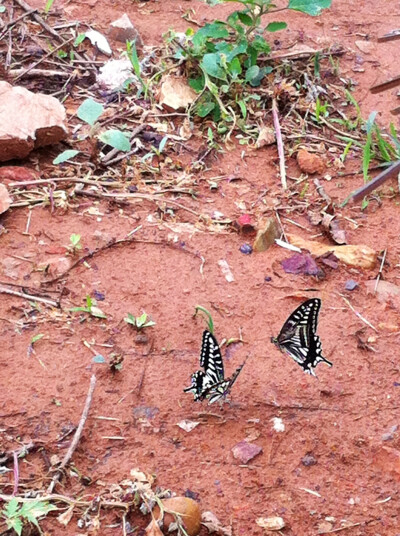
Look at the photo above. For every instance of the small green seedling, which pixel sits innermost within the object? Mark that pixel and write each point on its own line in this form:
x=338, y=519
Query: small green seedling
x=139, y=322
x=74, y=243
x=16, y=516
x=210, y=323
x=91, y=308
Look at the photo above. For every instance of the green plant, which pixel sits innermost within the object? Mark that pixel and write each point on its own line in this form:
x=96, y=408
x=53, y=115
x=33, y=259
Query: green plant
x=210, y=323
x=16, y=516
x=321, y=110
x=90, y=308
x=89, y=112
x=74, y=243
x=224, y=57
x=139, y=322
x=132, y=55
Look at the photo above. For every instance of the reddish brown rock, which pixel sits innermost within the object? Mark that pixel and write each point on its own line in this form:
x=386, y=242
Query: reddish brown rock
x=27, y=121
x=5, y=199
x=123, y=30
x=17, y=174
x=387, y=459
x=309, y=162
x=57, y=266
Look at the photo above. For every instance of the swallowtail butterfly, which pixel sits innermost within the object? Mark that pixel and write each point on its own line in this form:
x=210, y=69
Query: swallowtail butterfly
x=298, y=336
x=211, y=383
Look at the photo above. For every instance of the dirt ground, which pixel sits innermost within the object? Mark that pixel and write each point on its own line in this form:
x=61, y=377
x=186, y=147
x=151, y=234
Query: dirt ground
x=336, y=464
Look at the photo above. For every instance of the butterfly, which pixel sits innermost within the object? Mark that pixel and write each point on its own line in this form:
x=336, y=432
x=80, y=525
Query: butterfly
x=298, y=336
x=211, y=383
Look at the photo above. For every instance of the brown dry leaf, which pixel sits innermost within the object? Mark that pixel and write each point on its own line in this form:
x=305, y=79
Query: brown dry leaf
x=185, y=131
x=266, y=137
x=266, y=236
x=66, y=516
x=175, y=93
x=354, y=255
x=332, y=227
x=213, y=524
x=153, y=529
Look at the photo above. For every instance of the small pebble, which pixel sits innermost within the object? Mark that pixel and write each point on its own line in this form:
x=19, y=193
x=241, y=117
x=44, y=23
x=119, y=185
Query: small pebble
x=246, y=249
x=267, y=278
x=351, y=284
x=308, y=460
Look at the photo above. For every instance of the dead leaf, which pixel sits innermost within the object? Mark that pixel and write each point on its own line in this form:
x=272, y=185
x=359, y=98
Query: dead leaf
x=66, y=516
x=301, y=263
x=175, y=93
x=270, y=523
x=333, y=229
x=185, y=131
x=226, y=270
x=213, y=524
x=188, y=511
x=355, y=255
x=266, y=137
x=365, y=46
x=153, y=529
x=329, y=259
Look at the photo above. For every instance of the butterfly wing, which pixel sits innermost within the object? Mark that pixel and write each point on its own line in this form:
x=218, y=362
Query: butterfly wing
x=298, y=336
x=218, y=391
x=211, y=358
x=197, y=386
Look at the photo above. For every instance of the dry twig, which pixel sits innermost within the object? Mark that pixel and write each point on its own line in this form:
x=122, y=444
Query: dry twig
x=77, y=436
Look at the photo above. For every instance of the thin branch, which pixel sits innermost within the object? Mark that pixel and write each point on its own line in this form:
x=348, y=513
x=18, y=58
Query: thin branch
x=279, y=143
x=77, y=435
x=30, y=297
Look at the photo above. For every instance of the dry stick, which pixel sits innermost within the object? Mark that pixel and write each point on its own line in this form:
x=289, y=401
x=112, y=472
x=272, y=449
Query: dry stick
x=27, y=70
x=117, y=243
x=388, y=84
x=279, y=143
x=380, y=270
x=68, y=500
x=377, y=181
x=321, y=191
x=358, y=314
x=31, y=297
x=66, y=179
x=77, y=435
x=12, y=22
x=31, y=73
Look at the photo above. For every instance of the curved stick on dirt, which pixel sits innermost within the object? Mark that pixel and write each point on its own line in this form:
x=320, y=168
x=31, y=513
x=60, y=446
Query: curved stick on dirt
x=77, y=435
x=377, y=181
x=279, y=143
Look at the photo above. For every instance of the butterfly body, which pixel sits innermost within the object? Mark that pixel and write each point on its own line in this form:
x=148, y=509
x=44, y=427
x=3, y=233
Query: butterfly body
x=211, y=383
x=298, y=336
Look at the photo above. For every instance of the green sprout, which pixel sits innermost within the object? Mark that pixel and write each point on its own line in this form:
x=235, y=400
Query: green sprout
x=139, y=322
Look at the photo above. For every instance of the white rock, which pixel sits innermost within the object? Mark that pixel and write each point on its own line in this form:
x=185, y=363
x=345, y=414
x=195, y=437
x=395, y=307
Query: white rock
x=5, y=199
x=123, y=30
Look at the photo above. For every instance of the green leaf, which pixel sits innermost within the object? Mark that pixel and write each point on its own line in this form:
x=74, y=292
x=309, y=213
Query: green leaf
x=37, y=337
x=241, y=48
x=65, y=155
x=311, y=7
x=35, y=509
x=75, y=239
x=234, y=67
x=48, y=6
x=16, y=524
x=197, y=84
x=210, y=65
x=215, y=30
x=276, y=26
x=79, y=39
x=204, y=108
x=89, y=111
x=244, y=18
x=99, y=359
x=370, y=122
x=130, y=319
x=252, y=72
x=260, y=44
x=116, y=139
x=11, y=508
x=141, y=320
x=2, y=9
x=243, y=108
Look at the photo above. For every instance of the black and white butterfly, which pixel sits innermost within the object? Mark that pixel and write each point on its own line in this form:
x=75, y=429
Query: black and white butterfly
x=211, y=383
x=298, y=336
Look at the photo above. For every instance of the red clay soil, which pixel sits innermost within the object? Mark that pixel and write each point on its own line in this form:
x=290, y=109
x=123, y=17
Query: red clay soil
x=331, y=466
